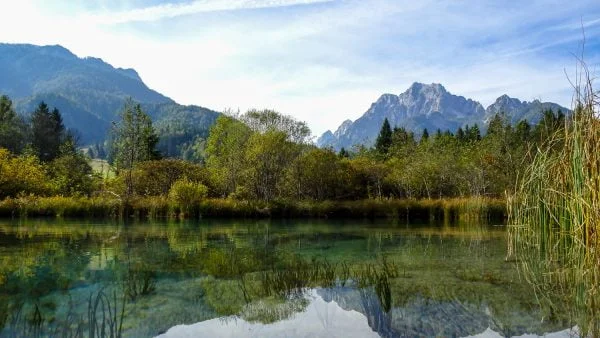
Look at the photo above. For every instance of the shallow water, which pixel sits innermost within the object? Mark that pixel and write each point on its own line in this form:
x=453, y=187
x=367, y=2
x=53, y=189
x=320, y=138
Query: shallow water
x=261, y=279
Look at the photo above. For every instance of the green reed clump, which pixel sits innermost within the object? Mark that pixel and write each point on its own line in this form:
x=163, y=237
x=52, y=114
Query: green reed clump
x=554, y=218
x=139, y=283
x=297, y=275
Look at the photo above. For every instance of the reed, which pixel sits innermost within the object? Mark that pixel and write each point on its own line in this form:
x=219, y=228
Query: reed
x=554, y=218
x=142, y=207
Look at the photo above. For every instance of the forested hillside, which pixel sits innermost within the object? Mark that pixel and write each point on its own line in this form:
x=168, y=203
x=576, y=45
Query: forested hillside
x=89, y=93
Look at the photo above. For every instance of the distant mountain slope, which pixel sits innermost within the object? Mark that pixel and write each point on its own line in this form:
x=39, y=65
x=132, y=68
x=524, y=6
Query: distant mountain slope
x=427, y=106
x=518, y=110
x=421, y=106
x=87, y=91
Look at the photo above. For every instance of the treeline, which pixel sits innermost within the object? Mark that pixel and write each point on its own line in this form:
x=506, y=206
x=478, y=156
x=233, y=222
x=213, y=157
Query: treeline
x=264, y=156
x=39, y=156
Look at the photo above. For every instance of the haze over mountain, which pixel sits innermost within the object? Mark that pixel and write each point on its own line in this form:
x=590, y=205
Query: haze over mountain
x=89, y=92
x=428, y=106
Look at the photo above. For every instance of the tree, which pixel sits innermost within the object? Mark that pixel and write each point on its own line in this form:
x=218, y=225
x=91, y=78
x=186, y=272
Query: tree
x=384, y=139
x=71, y=173
x=133, y=141
x=47, y=132
x=315, y=174
x=21, y=174
x=12, y=127
x=225, y=151
x=425, y=135
x=267, y=157
x=262, y=121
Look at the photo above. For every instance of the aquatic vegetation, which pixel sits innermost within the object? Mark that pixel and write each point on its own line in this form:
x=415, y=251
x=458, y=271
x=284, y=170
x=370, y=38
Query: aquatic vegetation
x=263, y=272
x=105, y=319
x=139, y=283
x=554, y=218
x=153, y=207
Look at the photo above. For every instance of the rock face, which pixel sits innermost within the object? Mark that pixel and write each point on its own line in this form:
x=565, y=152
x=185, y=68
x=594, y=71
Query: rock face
x=87, y=91
x=516, y=110
x=427, y=106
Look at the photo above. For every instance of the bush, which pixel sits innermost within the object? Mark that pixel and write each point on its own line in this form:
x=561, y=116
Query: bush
x=187, y=195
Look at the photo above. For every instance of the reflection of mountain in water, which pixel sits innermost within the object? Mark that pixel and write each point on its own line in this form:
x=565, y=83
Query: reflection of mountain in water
x=421, y=316
x=349, y=312
x=319, y=319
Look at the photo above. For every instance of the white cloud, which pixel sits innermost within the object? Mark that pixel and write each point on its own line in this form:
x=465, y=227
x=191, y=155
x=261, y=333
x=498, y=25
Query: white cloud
x=171, y=10
x=325, y=61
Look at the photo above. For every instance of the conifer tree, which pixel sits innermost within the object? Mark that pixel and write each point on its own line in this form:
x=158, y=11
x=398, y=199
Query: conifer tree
x=384, y=139
x=47, y=132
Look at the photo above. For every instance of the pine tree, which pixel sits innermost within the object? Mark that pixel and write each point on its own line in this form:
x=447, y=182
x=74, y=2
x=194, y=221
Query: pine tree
x=134, y=140
x=12, y=127
x=47, y=132
x=343, y=153
x=384, y=139
x=425, y=135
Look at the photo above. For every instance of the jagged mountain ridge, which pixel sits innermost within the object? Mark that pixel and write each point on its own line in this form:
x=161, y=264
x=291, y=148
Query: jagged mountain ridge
x=517, y=110
x=428, y=106
x=88, y=91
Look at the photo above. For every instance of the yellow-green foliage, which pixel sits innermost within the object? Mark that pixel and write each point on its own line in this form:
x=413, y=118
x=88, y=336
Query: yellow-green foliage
x=188, y=200
x=187, y=194
x=555, y=220
x=21, y=174
x=154, y=178
x=60, y=206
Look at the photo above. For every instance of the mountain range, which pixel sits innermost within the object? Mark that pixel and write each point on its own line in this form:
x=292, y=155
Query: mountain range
x=90, y=92
x=429, y=106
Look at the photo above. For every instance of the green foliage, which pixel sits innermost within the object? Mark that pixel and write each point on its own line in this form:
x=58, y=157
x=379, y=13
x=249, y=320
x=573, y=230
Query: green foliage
x=47, y=132
x=187, y=194
x=21, y=175
x=267, y=157
x=155, y=178
x=133, y=141
x=554, y=216
x=12, y=127
x=225, y=148
x=384, y=139
x=315, y=174
x=71, y=174
x=262, y=121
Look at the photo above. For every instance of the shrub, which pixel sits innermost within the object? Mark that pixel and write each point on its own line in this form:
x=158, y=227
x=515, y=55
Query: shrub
x=187, y=195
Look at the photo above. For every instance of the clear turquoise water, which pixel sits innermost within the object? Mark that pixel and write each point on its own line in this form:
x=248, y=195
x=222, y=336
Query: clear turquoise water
x=261, y=278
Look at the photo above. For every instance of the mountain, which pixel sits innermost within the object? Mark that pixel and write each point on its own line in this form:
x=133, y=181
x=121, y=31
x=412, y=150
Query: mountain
x=517, y=110
x=421, y=106
x=88, y=91
x=428, y=106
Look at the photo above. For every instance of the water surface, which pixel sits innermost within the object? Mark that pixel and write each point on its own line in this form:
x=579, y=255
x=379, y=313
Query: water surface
x=261, y=278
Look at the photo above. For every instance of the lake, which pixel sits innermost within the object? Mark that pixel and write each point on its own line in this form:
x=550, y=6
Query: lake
x=232, y=278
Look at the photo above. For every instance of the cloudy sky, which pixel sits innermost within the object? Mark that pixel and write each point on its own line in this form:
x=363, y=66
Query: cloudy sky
x=322, y=61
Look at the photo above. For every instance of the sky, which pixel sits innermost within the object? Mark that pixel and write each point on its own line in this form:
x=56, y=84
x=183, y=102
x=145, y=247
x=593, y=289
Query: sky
x=323, y=61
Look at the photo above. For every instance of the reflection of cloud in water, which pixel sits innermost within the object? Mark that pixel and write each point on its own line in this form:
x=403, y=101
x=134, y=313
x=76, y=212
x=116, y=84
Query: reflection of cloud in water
x=319, y=319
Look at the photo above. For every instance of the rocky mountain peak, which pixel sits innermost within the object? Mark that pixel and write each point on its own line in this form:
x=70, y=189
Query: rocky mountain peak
x=428, y=106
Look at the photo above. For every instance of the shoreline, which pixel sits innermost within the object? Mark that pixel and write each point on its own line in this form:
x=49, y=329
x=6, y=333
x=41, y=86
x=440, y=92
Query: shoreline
x=446, y=210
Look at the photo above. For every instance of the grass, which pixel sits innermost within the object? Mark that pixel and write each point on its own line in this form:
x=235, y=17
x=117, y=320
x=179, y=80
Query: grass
x=554, y=218
x=102, y=167
x=447, y=210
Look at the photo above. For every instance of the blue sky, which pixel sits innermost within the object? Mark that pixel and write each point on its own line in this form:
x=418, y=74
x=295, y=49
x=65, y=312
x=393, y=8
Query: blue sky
x=323, y=61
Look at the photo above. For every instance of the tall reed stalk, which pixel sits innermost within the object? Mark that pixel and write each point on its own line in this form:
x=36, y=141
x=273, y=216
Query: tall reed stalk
x=554, y=218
